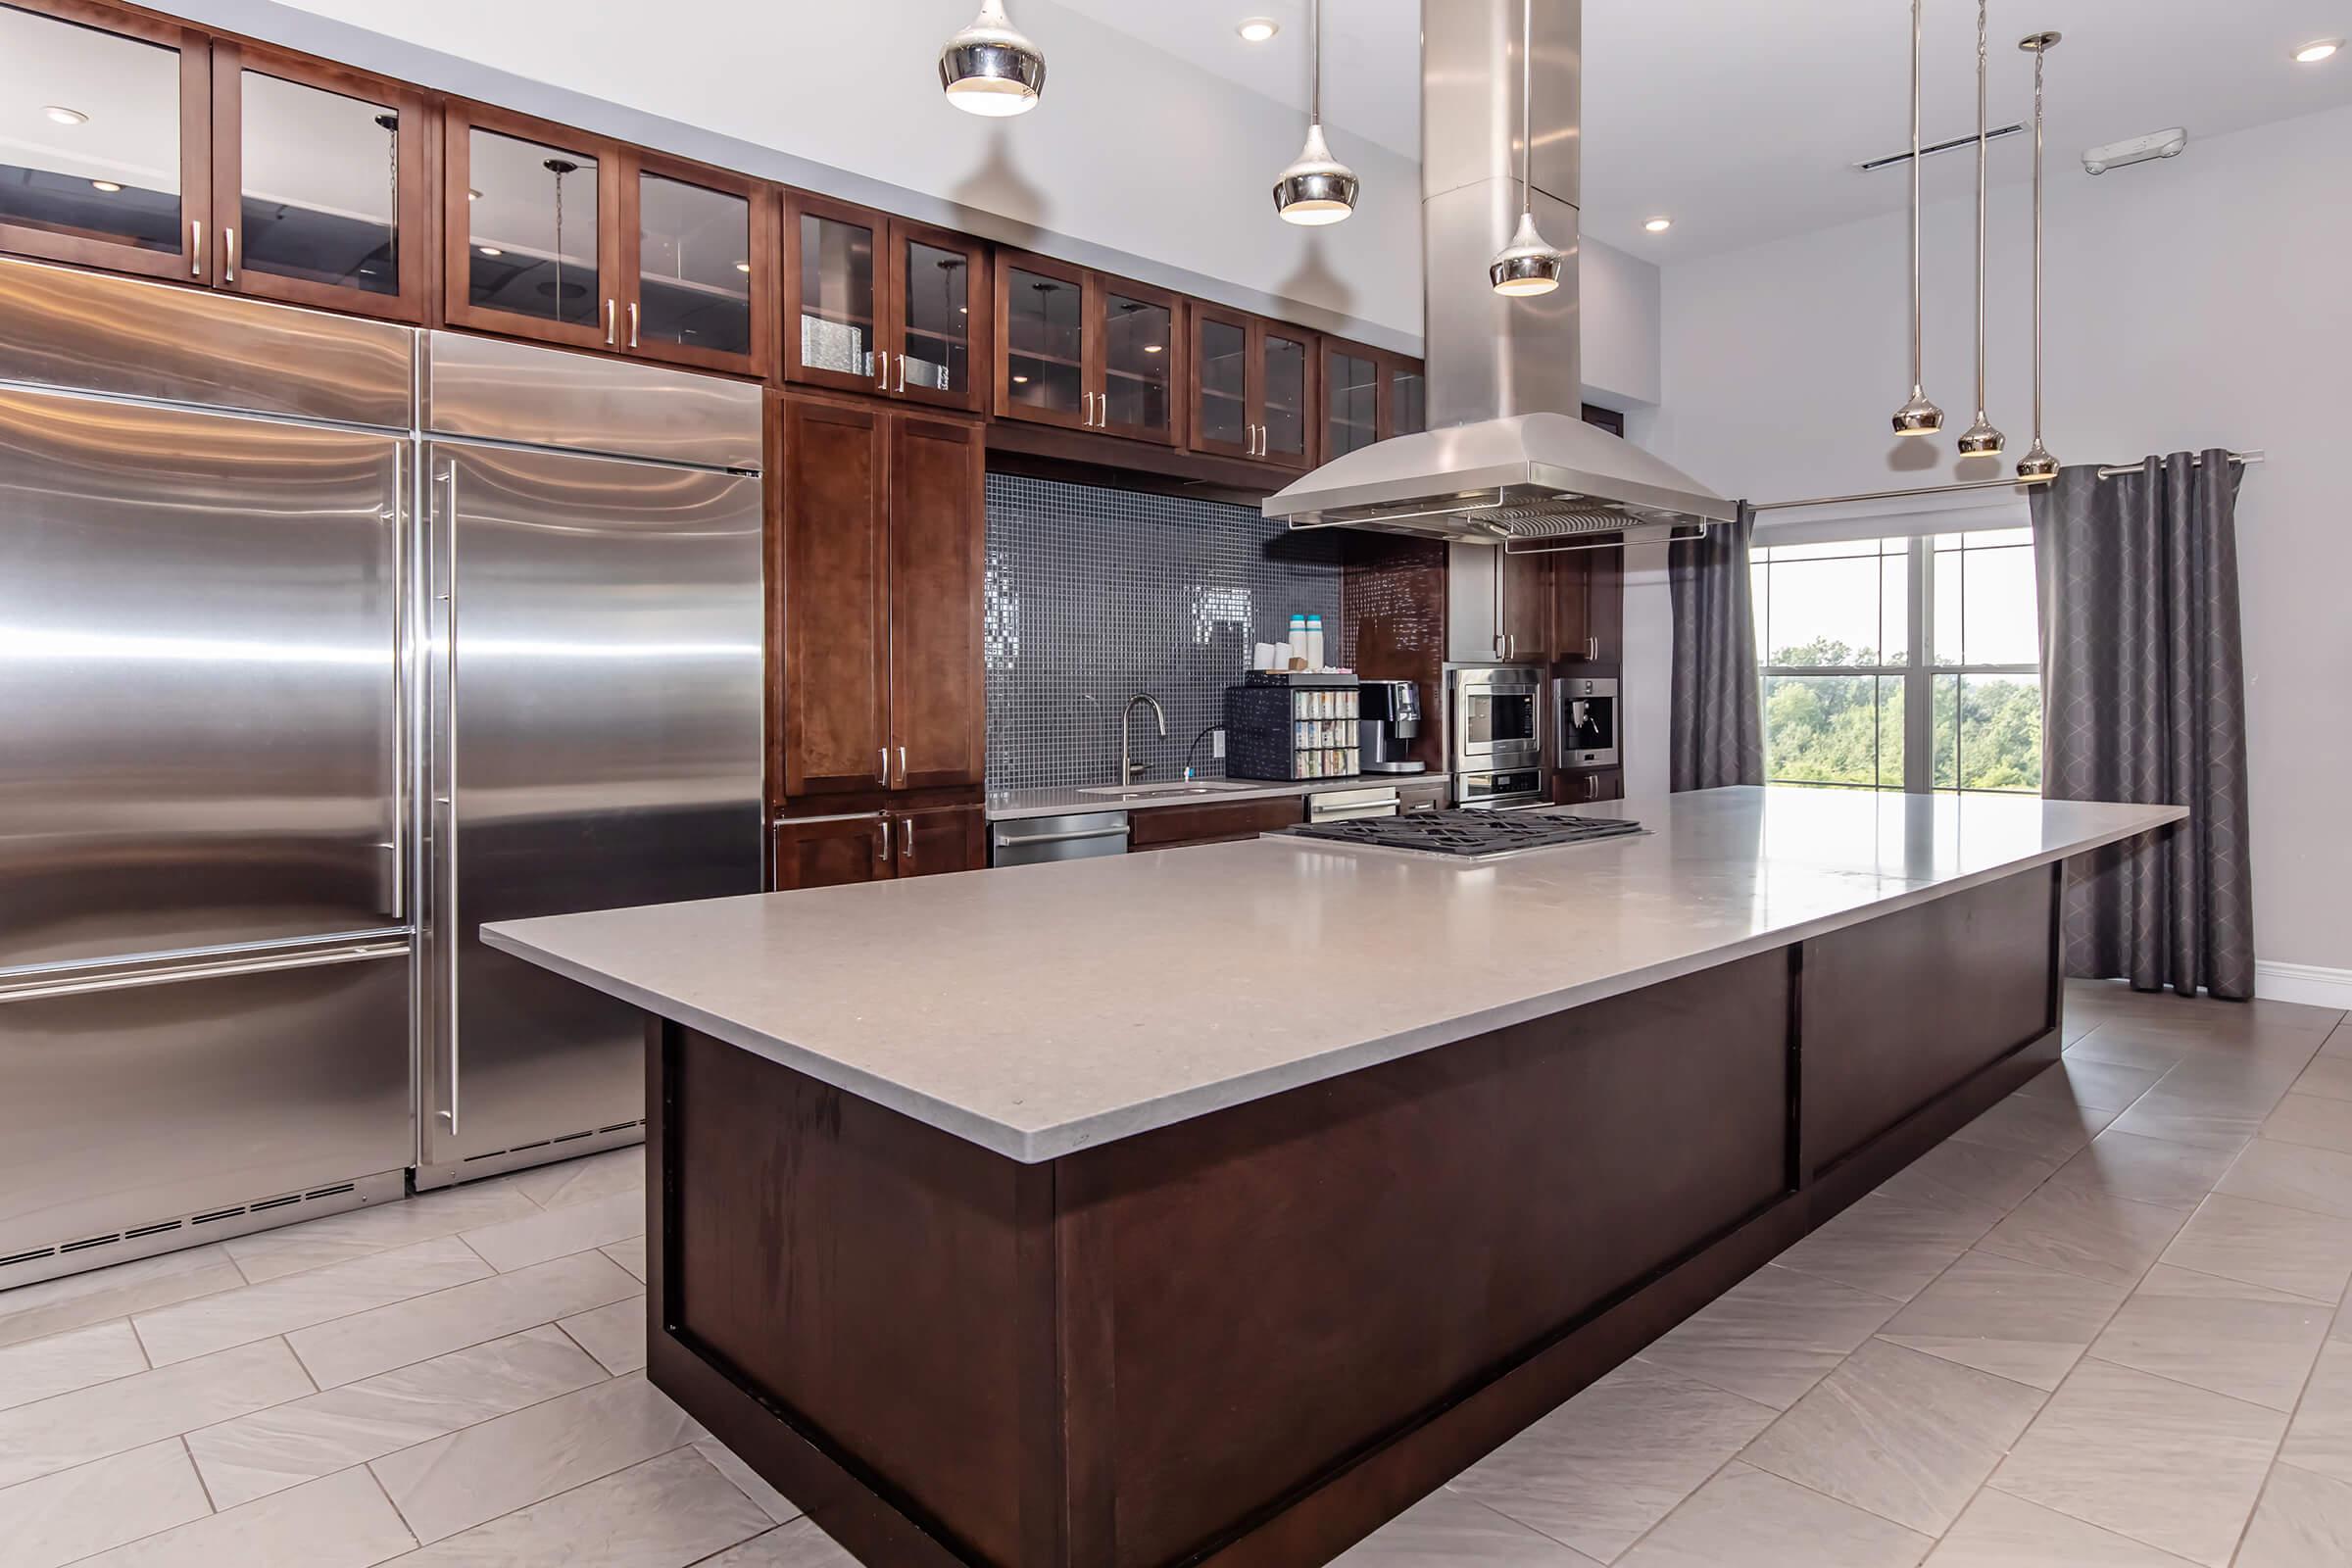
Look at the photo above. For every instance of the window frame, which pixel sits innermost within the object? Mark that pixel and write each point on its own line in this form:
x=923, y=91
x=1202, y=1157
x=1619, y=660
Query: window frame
x=1918, y=671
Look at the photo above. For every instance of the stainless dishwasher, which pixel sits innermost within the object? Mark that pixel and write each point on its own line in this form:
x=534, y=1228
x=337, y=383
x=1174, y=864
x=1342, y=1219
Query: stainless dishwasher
x=1074, y=836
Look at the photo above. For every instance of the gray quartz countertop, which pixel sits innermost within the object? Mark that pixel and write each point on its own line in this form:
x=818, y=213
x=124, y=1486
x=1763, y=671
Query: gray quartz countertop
x=1040, y=1009
x=1012, y=805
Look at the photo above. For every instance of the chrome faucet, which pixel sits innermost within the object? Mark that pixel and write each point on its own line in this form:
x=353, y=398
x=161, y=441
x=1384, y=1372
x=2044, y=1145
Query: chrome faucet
x=1130, y=770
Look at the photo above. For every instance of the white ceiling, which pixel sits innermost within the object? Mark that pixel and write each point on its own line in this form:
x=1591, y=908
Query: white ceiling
x=1739, y=118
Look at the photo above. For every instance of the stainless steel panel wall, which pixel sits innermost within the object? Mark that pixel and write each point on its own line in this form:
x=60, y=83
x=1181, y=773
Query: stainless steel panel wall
x=197, y=679
x=496, y=391
x=149, y=1101
x=110, y=335
x=598, y=743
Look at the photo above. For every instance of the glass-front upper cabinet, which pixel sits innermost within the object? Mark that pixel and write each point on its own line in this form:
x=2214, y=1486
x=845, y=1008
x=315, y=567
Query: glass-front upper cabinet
x=1042, y=361
x=700, y=267
x=1143, y=362
x=1368, y=395
x=1407, y=397
x=877, y=305
x=319, y=184
x=529, y=245
x=103, y=158
x=1254, y=387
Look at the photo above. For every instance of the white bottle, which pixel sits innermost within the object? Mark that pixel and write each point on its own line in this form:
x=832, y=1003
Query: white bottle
x=1298, y=640
x=1315, y=642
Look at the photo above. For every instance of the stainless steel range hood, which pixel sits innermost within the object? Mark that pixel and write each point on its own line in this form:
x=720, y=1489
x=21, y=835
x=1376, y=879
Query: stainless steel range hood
x=1508, y=455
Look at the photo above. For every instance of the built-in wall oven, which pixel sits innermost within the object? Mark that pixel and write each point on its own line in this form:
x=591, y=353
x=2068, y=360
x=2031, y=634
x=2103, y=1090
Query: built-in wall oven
x=1588, y=720
x=1495, y=733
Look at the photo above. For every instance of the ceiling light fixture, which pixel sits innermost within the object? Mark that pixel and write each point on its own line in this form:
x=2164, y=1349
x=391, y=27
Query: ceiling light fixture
x=1980, y=439
x=990, y=68
x=105, y=185
x=2311, y=54
x=1528, y=265
x=66, y=117
x=1257, y=29
x=2037, y=463
x=1317, y=188
x=1659, y=226
x=1918, y=415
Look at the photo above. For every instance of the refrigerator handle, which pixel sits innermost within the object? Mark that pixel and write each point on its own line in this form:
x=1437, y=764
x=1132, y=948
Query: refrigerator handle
x=446, y=919
x=397, y=516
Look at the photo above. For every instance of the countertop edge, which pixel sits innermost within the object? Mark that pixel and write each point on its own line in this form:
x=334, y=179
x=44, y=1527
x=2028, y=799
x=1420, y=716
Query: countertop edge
x=1035, y=1145
x=1014, y=808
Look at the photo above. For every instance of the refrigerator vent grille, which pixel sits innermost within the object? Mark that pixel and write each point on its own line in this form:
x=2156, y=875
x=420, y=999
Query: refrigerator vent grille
x=549, y=1143
x=208, y=1217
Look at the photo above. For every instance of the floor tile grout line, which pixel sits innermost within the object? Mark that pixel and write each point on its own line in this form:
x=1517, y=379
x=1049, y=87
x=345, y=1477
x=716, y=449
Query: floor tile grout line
x=385, y=1492
x=566, y=1491
x=777, y=1524
x=2251, y=1284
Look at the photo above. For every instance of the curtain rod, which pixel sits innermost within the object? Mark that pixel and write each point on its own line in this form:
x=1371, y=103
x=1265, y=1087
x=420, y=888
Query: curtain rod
x=1960, y=485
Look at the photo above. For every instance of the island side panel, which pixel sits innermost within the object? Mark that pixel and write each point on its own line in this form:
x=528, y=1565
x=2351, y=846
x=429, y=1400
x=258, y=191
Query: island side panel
x=1899, y=1011
x=863, y=1305
x=1295, y=1282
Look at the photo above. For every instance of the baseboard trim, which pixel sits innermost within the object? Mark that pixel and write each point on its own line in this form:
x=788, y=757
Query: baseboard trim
x=2307, y=983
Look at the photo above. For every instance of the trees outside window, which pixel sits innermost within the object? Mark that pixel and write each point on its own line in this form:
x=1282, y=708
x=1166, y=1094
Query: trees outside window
x=1903, y=664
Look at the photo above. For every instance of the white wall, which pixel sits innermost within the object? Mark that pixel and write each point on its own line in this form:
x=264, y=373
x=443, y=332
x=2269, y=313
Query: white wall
x=2200, y=302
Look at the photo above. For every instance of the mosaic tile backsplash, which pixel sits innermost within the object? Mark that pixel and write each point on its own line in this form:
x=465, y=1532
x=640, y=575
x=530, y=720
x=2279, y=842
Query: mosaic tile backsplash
x=1094, y=595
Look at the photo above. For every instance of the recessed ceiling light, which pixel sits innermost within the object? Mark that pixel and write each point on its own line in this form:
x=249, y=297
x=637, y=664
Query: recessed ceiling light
x=2318, y=49
x=492, y=250
x=105, y=185
x=1659, y=226
x=66, y=117
x=743, y=266
x=1154, y=348
x=1257, y=29
x=1020, y=380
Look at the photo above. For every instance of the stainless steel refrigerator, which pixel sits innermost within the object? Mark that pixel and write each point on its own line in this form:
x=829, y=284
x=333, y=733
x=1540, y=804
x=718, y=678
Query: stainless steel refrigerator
x=593, y=619
x=321, y=642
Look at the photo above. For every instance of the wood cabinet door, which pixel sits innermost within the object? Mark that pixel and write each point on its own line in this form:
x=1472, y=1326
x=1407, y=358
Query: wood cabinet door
x=1527, y=593
x=1354, y=397
x=836, y=294
x=530, y=229
x=698, y=265
x=322, y=183
x=830, y=852
x=947, y=838
x=110, y=160
x=1591, y=606
x=938, y=539
x=1570, y=602
x=1577, y=789
x=1223, y=404
x=835, y=500
x=1140, y=361
x=938, y=304
x=1047, y=356
x=1284, y=376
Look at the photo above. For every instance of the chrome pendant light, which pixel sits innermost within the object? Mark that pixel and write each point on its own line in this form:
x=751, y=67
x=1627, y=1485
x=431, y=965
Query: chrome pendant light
x=990, y=68
x=1917, y=417
x=1980, y=439
x=2037, y=463
x=1317, y=188
x=1528, y=265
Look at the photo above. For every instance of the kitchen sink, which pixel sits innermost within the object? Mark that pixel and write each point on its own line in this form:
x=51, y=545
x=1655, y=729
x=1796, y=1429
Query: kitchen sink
x=1138, y=792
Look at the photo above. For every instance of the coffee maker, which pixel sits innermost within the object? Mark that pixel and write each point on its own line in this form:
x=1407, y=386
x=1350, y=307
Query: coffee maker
x=1385, y=725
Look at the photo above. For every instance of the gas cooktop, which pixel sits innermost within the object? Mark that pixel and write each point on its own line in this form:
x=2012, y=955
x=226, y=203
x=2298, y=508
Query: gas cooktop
x=1468, y=835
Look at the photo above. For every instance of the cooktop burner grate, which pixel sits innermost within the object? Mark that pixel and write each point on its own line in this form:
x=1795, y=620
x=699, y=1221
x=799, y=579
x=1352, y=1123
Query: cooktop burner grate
x=1463, y=834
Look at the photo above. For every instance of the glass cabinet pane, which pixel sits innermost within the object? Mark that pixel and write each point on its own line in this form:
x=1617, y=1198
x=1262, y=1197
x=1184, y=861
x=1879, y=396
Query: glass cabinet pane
x=837, y=295
x=322, y=185
x=89, y=134
x=1286, y=397
x=1138, y=338
x=1044, y=339
x=531, y=246
x=937, y=340
x=694, y=263
x=1352, y=397
x=1409, y=412
x=1224, y=375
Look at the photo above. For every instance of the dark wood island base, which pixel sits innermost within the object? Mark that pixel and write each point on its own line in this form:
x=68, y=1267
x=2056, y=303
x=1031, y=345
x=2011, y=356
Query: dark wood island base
x=1250, y=1338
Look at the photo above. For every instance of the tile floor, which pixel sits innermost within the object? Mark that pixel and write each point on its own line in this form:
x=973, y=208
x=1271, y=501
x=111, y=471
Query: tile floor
x=2103, y=1326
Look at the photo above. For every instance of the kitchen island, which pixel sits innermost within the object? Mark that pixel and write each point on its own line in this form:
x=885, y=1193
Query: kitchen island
x=1213, y=1207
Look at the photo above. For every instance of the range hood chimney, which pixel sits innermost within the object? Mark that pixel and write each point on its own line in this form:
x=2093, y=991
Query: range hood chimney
x=1508, y=455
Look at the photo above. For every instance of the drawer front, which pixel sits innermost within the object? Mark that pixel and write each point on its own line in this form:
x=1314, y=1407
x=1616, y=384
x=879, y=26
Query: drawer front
x=1172, y=826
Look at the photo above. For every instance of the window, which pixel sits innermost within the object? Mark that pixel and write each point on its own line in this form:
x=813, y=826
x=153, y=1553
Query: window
x=1905, y=663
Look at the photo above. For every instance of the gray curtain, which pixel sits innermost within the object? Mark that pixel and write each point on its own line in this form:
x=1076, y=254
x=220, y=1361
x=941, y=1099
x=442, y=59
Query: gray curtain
x=2144, y=700
x=1717, y=721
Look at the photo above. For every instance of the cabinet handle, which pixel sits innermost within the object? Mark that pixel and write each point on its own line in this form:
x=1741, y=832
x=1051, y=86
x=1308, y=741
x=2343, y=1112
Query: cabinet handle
x=882, y=765
x=882, y=384
x=907, y=840
x=882, y=835
x=1089, y=398
x=611, y=324
x=228, y=255
x=901, y=386
x=196, y=247
x=632, y=324
x=902, y=783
